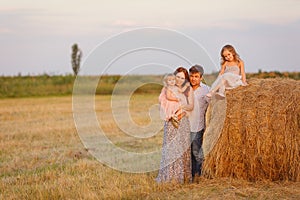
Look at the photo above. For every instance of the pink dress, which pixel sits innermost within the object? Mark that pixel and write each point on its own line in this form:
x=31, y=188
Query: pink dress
x=167, y=107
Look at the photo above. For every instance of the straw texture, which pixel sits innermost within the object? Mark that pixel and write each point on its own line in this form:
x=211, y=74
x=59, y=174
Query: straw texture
x=254, y=134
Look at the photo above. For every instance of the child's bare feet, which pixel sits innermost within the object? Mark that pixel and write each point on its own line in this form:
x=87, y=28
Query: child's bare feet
x=220, y=94
x=209, y=95
x=174, y=120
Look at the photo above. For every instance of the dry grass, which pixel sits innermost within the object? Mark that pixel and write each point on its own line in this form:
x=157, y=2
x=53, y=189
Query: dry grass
x=41, y=157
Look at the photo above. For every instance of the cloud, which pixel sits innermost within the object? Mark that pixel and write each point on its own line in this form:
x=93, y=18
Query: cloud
x=4, y=30
x=125, y=23
x=58, y=18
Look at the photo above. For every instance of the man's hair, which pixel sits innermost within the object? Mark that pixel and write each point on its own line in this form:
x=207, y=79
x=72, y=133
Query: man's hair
x=196, y=69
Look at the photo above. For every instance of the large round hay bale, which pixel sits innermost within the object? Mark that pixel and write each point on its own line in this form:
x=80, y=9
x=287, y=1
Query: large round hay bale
x=256, y=135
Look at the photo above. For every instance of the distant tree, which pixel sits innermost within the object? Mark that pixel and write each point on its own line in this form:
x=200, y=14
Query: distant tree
x=76, y=57
x=259, y=71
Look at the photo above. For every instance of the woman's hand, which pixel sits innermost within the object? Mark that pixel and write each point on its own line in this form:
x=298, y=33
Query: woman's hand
x=187, y=84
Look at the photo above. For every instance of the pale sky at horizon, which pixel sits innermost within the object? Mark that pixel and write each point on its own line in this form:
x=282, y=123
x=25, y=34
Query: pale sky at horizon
x=36, y=36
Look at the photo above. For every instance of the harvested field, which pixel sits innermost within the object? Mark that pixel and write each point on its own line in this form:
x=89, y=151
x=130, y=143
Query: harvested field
x=42, y=157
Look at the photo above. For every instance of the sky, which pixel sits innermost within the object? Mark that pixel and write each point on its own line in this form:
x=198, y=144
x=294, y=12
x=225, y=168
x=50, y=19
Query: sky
x=36, y=36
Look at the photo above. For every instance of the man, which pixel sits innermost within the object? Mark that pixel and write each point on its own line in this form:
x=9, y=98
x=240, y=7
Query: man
x=197, y=117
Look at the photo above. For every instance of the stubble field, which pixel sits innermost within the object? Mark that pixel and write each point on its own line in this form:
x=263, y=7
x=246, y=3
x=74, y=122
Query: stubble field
x=42, y=157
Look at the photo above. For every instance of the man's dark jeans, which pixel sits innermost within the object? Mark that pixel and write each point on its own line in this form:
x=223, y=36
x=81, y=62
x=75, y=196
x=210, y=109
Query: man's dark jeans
x=197, y=152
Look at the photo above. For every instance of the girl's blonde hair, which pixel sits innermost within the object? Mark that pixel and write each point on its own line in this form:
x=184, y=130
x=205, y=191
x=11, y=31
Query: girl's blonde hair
x=165, y=79
x=231, y=49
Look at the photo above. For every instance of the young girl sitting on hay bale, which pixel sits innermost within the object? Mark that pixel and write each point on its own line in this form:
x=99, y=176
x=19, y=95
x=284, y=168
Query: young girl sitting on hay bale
x=232, y=73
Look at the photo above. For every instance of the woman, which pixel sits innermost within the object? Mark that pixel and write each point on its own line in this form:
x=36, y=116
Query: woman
x=175, y=165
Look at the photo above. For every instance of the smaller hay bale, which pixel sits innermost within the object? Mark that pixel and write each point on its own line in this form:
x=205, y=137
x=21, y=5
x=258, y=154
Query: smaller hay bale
x=260, y=137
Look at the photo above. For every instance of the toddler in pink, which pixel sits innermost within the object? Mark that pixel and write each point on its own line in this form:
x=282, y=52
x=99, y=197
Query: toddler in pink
x=169, y=102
